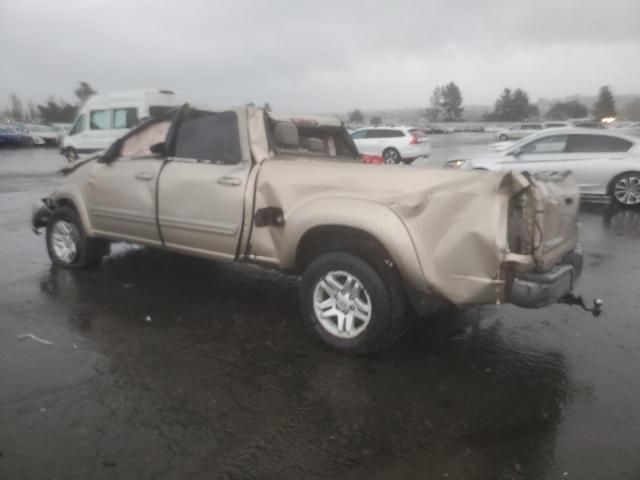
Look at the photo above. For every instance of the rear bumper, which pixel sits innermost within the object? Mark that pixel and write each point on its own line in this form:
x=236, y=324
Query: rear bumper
x=539, y=289
x=410, y=152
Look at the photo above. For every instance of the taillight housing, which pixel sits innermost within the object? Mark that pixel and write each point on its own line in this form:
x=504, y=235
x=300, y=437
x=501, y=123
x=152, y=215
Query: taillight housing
x=414, y=139
x=521, y=224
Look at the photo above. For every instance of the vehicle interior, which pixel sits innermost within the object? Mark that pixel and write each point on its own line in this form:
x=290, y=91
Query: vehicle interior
x=311, y=140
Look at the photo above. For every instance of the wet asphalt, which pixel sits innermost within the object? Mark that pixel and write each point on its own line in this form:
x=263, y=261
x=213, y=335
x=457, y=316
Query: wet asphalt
x=167, y=367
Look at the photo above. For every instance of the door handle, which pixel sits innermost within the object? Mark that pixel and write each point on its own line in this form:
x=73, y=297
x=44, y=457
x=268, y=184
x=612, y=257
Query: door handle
x=144, y=176
x=229, y=181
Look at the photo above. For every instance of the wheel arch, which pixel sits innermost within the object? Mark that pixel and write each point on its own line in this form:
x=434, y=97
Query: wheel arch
x=352, y=220
x=74, y=201
x=613, y=179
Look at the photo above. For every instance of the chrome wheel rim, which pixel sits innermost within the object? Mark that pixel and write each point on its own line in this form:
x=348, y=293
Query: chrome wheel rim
x=342, y=305
x=627, y=190
x=391, y=157
x=64, y=241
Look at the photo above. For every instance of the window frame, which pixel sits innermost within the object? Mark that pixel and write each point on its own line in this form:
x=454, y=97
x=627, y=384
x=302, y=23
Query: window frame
x=108, y=117
x=579, y=135
x=81, y=118
x=125, y=109
x=363, y=132
x=173, y=138
x=540, y=139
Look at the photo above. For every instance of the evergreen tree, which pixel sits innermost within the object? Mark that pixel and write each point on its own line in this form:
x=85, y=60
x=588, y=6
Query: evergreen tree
x=605, y=105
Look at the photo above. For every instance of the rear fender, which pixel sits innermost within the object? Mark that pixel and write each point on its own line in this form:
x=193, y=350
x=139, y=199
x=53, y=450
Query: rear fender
x=373, y=218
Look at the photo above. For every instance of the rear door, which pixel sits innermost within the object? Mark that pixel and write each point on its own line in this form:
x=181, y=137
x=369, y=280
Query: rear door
x=202, y=187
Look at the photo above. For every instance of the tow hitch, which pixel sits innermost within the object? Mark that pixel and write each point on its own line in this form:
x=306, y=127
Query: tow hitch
x=571, y=299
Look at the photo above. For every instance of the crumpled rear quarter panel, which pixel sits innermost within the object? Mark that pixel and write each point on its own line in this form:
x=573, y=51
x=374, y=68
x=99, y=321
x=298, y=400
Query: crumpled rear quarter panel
x=445, y=230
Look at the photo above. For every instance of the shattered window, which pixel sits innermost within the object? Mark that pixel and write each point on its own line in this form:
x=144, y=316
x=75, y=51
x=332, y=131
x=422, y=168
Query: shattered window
x=140, y=143
x=209, y=137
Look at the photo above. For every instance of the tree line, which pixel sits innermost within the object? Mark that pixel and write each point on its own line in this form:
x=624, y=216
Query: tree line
x=52, y=111
x=445, y=105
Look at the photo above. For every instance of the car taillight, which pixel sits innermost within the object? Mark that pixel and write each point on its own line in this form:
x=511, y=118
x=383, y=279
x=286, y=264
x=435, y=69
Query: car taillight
x=414, y=140
x=521, y=224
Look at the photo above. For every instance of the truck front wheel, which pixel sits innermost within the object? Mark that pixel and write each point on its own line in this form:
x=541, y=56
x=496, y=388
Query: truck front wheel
x=67, y=243
x=348, y=304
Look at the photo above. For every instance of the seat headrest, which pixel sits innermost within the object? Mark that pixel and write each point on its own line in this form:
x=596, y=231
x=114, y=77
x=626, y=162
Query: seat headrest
x=286, y=134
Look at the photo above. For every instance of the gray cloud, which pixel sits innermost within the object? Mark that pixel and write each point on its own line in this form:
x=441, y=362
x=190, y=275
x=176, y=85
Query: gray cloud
x=320, y=56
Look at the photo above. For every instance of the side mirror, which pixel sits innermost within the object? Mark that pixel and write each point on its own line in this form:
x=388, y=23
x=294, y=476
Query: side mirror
x=516, y=152
x=158, y=148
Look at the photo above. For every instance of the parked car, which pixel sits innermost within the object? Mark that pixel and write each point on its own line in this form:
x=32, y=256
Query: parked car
x=518, y=131
x=289, y=191
x=586, y=123
x=62, y=128
x=556, y=124
x=11, y=137
x=433, y=129
x=500, y=146
x=604, y=162
x=393, y=144
x=48, y=135
x=106, y=117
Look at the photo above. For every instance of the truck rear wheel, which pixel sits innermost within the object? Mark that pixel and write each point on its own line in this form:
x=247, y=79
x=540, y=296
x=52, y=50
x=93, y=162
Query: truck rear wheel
x=348, y=304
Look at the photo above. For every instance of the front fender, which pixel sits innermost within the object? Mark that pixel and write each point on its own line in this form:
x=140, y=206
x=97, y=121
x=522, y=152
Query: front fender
x=72, y=195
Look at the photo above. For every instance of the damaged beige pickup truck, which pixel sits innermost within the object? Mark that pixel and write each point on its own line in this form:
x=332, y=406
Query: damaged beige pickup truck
x=290, y=192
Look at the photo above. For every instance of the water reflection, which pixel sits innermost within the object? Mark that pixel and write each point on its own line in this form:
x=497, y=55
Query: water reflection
x=233, y=383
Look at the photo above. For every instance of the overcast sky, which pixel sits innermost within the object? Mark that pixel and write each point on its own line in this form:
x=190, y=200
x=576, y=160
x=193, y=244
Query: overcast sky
x=319, y=56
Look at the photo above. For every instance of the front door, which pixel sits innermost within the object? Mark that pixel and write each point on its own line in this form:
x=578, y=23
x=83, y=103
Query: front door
x=202, y=187
x=121, y=199
x=545, y=153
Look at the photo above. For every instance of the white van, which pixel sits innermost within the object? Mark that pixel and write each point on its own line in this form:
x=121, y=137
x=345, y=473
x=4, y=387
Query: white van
x=105, y=118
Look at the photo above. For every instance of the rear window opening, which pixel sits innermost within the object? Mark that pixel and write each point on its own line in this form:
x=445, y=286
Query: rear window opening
x=311, y=140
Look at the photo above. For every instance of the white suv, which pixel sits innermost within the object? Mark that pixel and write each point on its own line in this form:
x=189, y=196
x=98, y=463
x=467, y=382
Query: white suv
x=392, y=144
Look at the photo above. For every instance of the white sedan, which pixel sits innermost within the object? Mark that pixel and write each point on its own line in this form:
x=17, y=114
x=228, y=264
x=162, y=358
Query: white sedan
x=604, y=163
x=517, y=131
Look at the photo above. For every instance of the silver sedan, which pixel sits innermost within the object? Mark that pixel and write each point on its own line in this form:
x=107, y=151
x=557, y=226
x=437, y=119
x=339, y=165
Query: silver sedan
x=604, y=162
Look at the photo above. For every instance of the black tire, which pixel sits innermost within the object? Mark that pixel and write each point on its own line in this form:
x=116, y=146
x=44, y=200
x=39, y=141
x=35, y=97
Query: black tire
x=503, y=138
x=391, y=156
x=632, y=179
x=88, y=251
x=387, y=303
